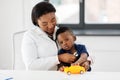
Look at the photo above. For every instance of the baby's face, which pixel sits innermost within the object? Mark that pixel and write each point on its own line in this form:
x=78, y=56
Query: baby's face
x=66, y=40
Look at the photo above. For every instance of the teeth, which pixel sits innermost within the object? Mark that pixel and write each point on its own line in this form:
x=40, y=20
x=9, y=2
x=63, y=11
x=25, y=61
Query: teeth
x=66, y=47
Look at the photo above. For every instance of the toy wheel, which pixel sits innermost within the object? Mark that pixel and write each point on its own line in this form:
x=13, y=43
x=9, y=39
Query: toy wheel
x=81, y=71
x=68, y=72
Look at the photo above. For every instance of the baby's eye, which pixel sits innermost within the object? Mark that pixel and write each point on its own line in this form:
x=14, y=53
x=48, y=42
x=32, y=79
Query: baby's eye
x=66, y=39
x=61, y=42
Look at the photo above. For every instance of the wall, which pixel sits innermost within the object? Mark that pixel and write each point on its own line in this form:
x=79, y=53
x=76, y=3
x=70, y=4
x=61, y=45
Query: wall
x=105, y=51
x=11, y=20
x=15, y=15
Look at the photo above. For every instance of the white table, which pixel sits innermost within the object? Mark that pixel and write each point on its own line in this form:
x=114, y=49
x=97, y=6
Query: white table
x=56, y=75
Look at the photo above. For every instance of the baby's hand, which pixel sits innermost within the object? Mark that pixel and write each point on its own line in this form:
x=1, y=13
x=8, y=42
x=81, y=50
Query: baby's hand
x=61, y=68
x=86, y=65
x=75, y=64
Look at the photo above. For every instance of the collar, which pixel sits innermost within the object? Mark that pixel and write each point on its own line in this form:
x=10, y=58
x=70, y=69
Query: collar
x=68, y=51
x=39, y=31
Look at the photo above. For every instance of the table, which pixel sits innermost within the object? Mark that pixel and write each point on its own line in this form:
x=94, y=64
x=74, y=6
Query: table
x=56, y=75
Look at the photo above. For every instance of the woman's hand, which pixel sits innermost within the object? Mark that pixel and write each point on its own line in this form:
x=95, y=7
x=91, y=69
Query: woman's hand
x=66, y=57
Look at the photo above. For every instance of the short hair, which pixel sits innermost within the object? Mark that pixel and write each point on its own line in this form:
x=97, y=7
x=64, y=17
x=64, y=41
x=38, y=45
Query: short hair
x=40, y=9
x=62, y=30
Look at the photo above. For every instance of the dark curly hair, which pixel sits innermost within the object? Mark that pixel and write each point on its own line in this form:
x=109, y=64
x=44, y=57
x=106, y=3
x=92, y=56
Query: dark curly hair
x=40, y=9
x=62, y=30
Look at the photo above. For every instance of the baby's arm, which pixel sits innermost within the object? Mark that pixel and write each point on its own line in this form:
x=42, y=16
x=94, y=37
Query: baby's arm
x=82, y=59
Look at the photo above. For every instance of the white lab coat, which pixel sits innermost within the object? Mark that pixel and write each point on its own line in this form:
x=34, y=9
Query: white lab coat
x=39, y=51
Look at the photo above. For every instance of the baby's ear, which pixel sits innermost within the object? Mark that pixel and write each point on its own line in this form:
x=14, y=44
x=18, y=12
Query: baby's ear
x=74, y=38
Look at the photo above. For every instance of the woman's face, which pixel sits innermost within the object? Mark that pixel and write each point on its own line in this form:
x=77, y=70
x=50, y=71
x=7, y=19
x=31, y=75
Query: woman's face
x=66, y=40
x=47, y=22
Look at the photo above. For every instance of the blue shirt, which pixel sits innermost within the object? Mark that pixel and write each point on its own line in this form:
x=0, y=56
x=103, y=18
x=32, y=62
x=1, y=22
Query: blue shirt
x=79, y=48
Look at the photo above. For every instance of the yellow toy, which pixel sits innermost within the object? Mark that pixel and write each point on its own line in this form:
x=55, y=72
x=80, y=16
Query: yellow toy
x=74, y=70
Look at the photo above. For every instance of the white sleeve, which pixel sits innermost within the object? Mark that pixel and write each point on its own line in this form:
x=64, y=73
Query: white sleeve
x=31, y=59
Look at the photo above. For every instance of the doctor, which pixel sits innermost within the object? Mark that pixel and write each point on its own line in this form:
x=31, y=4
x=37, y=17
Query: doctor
x=39, y=48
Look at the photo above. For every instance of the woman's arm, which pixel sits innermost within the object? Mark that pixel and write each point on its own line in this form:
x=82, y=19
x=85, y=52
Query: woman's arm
x=32, y=59
x=66, y=57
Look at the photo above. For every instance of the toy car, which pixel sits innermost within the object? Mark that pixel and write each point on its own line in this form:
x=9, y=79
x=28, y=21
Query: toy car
x=74, y=70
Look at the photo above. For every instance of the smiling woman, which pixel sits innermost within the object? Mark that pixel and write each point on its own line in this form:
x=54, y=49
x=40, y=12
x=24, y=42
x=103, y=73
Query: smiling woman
x=37, y=40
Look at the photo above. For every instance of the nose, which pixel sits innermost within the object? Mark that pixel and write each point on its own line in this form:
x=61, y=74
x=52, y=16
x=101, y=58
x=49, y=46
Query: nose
x=64, y=43
x=50, y=25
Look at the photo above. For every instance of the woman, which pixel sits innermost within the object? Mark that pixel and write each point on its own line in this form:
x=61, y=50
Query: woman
x=39, y=48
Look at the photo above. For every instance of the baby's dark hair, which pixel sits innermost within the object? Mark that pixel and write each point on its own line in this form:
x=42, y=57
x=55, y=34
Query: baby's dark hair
x=62, y=30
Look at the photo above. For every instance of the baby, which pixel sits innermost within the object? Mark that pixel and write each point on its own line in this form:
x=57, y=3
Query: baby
x=78, y=52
